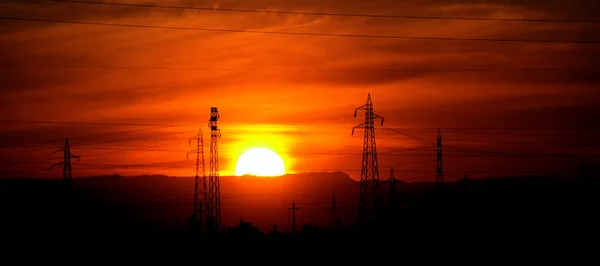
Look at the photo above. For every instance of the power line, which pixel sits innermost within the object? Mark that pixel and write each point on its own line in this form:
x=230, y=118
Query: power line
x=495, y=167
x=506, y=134
x=135, y=138
x=503, y=155
x=300, y=69
x=137, y=124
x=404, y=134
x=455, y=131
x=298, y=33
x=113, y=133
x=92, y=166
x=95, y=148
x=426, y=129
x=395, y=152
x=148, y=149
x=466, y=132
x=524, y=128
x=83, y=147
x=86, y=123
x=83, y=137
x=510, y=142
x=478, y=155
x=40, y=148
x=330, y=14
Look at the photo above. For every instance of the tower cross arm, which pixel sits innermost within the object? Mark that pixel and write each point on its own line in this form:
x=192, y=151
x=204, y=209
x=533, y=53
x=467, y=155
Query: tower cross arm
x=75, y=157
x=376, y=116
x=195, y=137
x=363, y=107
x=358, y=126
x=187, y=155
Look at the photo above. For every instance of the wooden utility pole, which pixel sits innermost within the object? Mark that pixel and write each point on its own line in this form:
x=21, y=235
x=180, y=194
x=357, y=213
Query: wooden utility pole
x=294, y=208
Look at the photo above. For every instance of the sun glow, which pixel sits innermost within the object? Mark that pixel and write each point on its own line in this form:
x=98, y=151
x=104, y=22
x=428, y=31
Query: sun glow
x=260, y=162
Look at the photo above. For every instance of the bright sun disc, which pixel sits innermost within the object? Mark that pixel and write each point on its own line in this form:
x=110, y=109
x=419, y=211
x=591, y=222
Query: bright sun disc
x=260, y=162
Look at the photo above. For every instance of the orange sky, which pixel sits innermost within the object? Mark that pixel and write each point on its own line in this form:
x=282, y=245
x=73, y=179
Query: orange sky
x=306, y=116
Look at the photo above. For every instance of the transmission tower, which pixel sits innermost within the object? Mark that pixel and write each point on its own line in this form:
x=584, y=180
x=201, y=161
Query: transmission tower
x=439, y=173
x=370, y=198
x=196, y=219
x=213, y=201
x=66, y=163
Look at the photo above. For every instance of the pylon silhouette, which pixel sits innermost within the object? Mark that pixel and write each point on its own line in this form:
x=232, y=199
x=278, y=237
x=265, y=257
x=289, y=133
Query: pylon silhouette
x=213, y=201
x=439, y=173
x=370, y=198
x=195, y=221
x=66, y=163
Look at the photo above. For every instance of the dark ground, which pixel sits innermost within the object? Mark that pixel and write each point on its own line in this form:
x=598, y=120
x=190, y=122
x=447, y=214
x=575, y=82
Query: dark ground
x=504, y=212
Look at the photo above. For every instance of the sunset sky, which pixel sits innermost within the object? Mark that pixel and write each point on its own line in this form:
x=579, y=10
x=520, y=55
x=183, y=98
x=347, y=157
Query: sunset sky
x=272, y=90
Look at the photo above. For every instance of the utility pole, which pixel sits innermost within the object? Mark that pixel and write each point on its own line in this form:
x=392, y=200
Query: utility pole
x=213, y=204
x=294, y=208
x=369, y=198
x=392, y=188
x=66, y=163
x=197, y=212
x=439, y=173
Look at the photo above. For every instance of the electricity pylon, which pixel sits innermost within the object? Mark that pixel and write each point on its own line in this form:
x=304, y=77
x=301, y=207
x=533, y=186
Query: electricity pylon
x=196, y=219
x=213, y=201
x=66, y=163
x=439, y=173
x=370, y=198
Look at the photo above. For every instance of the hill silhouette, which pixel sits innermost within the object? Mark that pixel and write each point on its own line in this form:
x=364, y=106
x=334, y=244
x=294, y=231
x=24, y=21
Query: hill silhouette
x=158, y=206
x=165, y=202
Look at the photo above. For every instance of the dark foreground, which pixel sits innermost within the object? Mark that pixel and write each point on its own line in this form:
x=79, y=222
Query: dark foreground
x=499, y=213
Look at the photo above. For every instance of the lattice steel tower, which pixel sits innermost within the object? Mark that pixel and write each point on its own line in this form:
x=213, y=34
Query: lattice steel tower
x=439, y=173
x=370, y=198
x=213, y=202
x=197, y=212
x=66, y=163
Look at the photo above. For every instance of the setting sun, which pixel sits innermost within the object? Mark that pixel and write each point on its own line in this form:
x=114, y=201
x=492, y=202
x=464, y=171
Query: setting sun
x=260, y=162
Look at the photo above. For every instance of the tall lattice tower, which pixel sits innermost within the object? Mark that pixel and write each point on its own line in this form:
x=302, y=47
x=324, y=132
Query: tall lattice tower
x=196, y=219
x=66, y=163
x=213, y=204
x=439, y=173
x=370, y=198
